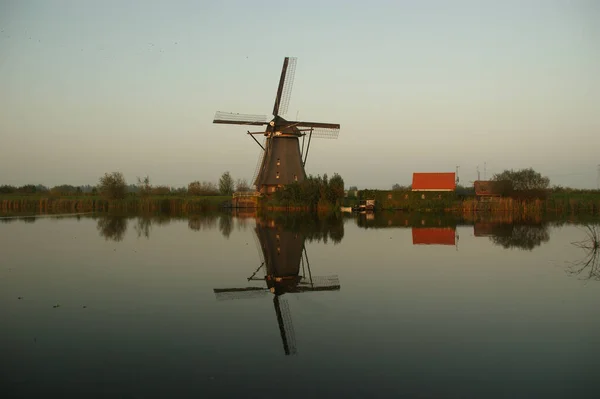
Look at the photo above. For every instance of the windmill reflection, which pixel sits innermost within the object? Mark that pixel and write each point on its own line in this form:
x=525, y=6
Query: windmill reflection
x=284, y=268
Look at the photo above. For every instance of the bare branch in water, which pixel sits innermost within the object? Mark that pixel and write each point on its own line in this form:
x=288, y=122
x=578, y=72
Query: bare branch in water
x=589, y=265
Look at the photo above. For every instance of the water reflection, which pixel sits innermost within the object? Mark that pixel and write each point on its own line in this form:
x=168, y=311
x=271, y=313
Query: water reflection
x=202, y=222
x=434, y=236
x=380, y=220
x=226, y=225
x=112, y=227
x=144, y=223
x=520, y=236
x=285, y=268
x=313, y=227
x=588, y=267
x=502, y=229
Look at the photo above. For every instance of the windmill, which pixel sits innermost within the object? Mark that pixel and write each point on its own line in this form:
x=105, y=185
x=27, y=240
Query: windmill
x=282, y=159
x=286, y=270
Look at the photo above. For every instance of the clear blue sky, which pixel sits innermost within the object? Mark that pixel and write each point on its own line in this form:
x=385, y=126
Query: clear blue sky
x=88, y=87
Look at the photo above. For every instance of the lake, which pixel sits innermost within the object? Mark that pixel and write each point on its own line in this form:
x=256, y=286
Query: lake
x=386, y=305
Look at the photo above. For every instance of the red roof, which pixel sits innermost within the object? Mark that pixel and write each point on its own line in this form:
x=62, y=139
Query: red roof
x=434, y=181
x=433, y=235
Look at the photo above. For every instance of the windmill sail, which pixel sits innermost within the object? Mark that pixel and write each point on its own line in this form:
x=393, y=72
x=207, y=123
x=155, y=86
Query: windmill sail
x=239, y=119
x=287, y=87
x=284, y=90
x=282, y=160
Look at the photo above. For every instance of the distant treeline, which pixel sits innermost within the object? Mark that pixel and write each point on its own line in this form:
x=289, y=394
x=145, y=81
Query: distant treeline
x=195, y=188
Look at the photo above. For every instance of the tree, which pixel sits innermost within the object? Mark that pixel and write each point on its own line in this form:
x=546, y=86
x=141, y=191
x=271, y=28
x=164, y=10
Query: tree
x=64, y=189
x=524, y=179
x=27, y=189
x=226, y=184
x=112, y=185
x=336, y=189
x=144, y=186
x=353, y=188
x=204, y=188
x=242, y=185
x=397, y=187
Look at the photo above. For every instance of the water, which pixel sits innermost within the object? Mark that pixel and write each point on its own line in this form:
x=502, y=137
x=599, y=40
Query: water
x=385, y=306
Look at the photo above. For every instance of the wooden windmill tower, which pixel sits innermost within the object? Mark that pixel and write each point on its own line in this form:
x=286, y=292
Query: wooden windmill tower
x=286, y=270
x=282, y=159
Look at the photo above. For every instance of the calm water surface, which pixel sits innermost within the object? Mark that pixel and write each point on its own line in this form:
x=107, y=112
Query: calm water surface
x=220, y=306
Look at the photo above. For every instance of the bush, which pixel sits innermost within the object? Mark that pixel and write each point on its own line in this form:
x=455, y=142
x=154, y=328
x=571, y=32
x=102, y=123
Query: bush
x=204, y=188
x=161, y=190
x=112, y=185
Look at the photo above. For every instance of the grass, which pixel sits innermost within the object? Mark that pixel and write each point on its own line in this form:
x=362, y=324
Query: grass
x=169, y=203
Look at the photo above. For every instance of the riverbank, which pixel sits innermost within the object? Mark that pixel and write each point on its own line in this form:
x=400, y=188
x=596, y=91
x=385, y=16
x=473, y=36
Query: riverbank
x=450, y=202
x=557, y=203
x=169, y=204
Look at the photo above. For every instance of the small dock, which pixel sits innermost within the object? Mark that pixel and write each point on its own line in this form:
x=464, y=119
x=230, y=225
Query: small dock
x=245, y=199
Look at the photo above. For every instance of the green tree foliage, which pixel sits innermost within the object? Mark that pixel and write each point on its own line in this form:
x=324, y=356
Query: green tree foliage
x=313, y=192
x=464, y=191
x=226, y=184
x=398, y=187
x=204, y=188
x=65, y=189
x=112, y=185
x=335, y=192
x=144, y=186
x=26, y=189
x=5, y=189
x=161, y=190
x=524, y=179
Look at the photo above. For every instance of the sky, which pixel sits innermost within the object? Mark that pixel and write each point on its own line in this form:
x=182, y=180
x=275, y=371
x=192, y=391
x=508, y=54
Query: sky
x=88, y=87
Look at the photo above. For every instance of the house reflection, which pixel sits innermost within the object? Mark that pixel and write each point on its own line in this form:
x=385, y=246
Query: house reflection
x=284, y=268
x=434, y=236
x=510, y=235
x=379, y=220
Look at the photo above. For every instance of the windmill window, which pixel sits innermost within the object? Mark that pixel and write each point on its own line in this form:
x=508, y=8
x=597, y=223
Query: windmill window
x=295, y=177
x=422, y=196
x=278, y=163
x=277, y=176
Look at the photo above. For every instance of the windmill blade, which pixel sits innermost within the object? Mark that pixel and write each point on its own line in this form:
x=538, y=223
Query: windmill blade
x=319, y=283
x=286, y=327
x=287, y=87
x=230, y=118
x=224, y=294
x=284, y=90
x=317, y=129
x=324, y=133
x=314, y=125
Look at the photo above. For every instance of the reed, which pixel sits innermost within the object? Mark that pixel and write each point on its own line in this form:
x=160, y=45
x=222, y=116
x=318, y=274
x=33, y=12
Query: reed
x=96, y=204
